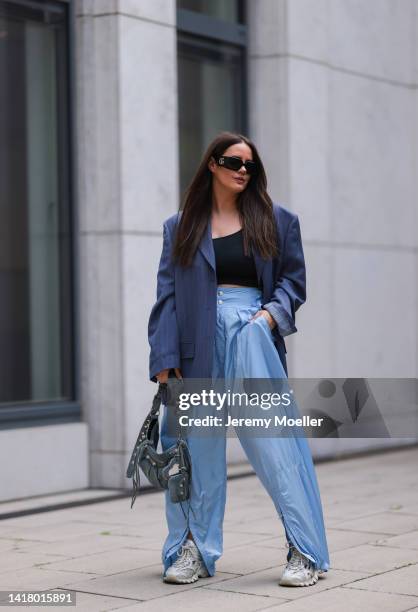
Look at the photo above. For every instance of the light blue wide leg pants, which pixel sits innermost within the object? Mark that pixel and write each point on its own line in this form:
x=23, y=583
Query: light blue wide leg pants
x=245, y=350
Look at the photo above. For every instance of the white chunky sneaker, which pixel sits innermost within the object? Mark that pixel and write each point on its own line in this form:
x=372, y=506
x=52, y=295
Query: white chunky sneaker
x=188, y=567
x=299, y=570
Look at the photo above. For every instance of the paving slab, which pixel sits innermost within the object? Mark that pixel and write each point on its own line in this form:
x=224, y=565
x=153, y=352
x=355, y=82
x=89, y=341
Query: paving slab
x=38, y=578
x=19, y=559
x=65, y=530
x=265, y=583
x=259, y=526
x=403, y=581
x=108, y=562
x=347, y=600
x=384, y=522
x=142, y=584
x=86, y=544
x=375, y=559
x=201, y=599
x=251, y=558
x=406, y=540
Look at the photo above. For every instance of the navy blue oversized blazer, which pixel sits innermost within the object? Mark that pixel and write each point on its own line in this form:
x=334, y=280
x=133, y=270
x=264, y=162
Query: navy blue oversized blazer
x=181, y=327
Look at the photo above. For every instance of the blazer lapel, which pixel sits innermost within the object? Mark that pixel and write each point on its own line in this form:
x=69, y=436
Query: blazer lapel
x=207, y=250
x=206, y=246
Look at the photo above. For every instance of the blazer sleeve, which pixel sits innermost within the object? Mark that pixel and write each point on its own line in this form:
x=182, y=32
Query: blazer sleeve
x=163, y=336
x=290, y=288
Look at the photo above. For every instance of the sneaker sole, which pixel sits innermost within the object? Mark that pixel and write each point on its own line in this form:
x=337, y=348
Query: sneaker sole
x=310, y=582
x=176, y=580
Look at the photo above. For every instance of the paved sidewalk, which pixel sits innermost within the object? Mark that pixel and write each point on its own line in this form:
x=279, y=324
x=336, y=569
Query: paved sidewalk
x=110, y=554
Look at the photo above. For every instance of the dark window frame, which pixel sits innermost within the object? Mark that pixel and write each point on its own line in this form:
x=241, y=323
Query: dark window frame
x=29, y=414
x=211, y=27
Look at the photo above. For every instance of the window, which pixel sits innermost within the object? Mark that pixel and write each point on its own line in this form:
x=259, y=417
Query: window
x=36, y=314
x=211, y=76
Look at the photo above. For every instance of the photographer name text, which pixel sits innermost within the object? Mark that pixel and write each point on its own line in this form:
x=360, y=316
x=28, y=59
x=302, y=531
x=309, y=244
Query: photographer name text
x=279, y=421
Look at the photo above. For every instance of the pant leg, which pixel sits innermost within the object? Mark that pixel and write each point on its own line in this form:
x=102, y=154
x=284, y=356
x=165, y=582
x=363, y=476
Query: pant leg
x=203, y=513
x=283, y=464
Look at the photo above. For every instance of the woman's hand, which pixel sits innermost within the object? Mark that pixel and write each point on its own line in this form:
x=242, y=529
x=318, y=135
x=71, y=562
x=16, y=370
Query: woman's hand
x=162, y=376
x=265, y=313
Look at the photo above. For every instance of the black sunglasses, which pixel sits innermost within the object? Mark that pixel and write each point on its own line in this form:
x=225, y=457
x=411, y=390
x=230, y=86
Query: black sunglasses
x=236, y=163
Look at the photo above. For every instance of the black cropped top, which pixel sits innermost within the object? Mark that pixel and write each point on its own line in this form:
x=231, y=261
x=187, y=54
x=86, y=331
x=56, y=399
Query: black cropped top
x=233, y=267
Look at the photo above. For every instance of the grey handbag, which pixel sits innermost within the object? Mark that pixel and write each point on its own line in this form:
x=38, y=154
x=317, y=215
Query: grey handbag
x=170, y=469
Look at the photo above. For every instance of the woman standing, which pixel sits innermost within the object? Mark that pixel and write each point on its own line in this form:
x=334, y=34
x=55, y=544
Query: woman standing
x=230, y=279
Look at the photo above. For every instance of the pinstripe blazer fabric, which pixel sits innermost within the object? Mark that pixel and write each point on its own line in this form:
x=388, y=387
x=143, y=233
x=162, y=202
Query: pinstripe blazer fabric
x=181, y=326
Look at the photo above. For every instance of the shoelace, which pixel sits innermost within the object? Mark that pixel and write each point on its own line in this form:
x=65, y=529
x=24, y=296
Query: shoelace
x=297, y=560
x=186, y=558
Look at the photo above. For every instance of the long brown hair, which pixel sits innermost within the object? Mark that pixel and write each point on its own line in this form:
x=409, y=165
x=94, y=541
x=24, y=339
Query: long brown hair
x=255, y=206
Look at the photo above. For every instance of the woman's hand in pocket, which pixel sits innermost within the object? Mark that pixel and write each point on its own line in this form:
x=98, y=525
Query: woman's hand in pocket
x=265, y=313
